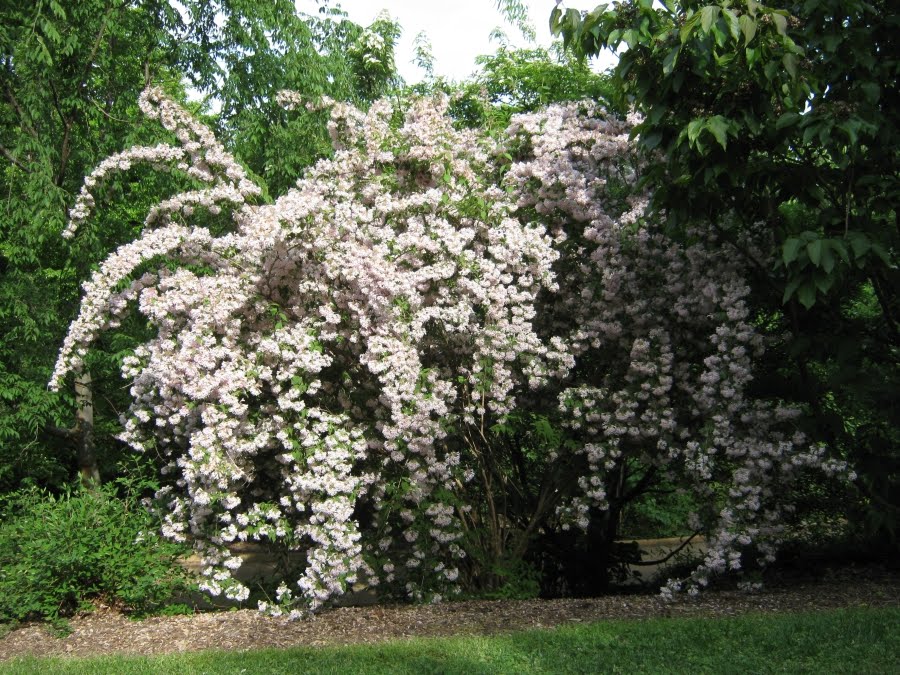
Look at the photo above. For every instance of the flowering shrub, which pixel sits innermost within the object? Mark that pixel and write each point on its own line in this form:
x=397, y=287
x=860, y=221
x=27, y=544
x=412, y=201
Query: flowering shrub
x=327, y=374
x=663, y=337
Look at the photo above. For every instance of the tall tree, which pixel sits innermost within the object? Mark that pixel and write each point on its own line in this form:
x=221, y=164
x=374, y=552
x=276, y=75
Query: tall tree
x=251, y=50
x=785, y=115
x=70, y=76
x=68, y=72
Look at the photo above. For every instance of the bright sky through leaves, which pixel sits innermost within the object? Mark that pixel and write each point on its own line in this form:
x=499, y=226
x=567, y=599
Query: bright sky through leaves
x=459, y=31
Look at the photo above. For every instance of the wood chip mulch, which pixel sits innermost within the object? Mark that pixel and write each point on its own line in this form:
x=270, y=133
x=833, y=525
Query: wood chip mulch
x=107, y=631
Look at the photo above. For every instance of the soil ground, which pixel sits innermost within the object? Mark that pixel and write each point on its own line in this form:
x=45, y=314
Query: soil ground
x=108, y=631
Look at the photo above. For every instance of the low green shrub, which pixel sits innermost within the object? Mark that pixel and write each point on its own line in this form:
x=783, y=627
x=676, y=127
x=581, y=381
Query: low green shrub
x=658, y=514
x=515, y=580
x=59, y=553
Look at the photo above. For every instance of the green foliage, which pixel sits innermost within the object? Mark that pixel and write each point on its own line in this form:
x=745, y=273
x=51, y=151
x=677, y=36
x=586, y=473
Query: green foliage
x=60, y=553
x=515, y=12
x=512, y=81
x=507, y=578
x=263, y=48
x=755, y=106
x=519, y=580
x=70, y=76
x=524, y=80
x=372, y=58
x=657, y=513
x=784, y=117
x=423, y=55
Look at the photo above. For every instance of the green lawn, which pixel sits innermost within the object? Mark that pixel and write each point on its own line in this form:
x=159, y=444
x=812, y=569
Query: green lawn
x=839, y=641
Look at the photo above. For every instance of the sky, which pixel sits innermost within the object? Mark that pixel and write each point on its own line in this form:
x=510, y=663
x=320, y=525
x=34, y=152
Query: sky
x=458, y=30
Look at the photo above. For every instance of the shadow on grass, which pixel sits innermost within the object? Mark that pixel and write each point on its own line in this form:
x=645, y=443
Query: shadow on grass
x=839, y=641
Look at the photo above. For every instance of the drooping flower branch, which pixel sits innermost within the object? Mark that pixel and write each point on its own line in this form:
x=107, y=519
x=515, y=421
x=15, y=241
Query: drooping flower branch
x=200, y=156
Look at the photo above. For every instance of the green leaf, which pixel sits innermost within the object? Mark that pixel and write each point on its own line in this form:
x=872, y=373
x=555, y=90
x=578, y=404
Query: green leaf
x=748, y=28
x=656, y=113
x=850, y=127
x=718, y=127
x=790, y=250
x=823, y=282
x=572, y=21
x=790, y=289
x=827, y=258
x=752, y=56
x=631, y=37
x=787, y=120
x=594, y=17
x=554, y=20
x=780, y=22
x=790, y=64
x=58, y=10
x=670, y=60
x=50, y=31
x=707, y=15
x=733, y=23
x=694, y=128
x=810, y=132
x=806, y=294
x=650, y=141
x=882, y=253
x=871, y=91
x=860, y=243
x=723, y=60
x=838, y=246
x=688, y=27
x=814, y=251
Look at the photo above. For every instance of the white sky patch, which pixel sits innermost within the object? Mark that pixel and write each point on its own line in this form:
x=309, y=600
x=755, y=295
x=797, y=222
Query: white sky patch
x=458, y=31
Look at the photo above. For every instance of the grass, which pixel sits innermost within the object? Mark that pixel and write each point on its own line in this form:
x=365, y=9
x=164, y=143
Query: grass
x=836, y=641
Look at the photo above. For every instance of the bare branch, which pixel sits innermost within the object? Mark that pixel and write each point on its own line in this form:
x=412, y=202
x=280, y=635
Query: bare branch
x=647, y=563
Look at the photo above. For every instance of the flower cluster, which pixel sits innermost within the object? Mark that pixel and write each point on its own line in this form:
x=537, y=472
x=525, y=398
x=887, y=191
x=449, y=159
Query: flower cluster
x=321, y=374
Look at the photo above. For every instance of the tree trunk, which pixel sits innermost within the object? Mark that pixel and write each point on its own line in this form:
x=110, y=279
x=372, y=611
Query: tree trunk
x=84, y=430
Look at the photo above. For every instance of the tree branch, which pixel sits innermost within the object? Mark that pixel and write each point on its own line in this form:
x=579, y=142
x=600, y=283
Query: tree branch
x=96, y=46
x=60, y=432
x=68, y=122
x=639, y=487
x=647, y=563
x=886, y=308
x=8, y=155
x=26, y=124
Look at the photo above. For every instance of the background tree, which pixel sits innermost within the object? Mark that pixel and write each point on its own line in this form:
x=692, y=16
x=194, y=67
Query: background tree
x=524, y=80
x=264, y=48
x=784, y=114
x=67, y=72
x=71, y=74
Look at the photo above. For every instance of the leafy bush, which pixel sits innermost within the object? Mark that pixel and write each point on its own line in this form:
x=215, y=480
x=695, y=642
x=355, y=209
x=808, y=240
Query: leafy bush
x=664, y=512
x=58, y=553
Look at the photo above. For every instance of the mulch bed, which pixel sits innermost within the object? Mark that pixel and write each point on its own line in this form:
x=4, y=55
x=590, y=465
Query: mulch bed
x=107, y=631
